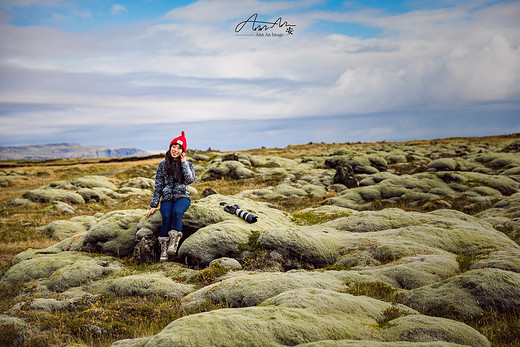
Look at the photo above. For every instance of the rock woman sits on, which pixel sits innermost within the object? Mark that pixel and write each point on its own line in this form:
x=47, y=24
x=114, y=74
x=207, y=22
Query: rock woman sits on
x=171, y=189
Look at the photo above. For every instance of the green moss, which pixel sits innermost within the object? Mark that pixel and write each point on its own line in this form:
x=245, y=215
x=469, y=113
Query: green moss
x=316, y=217
x=377, y=290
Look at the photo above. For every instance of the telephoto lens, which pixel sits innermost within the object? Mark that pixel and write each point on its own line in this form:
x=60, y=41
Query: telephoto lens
x=235, y=209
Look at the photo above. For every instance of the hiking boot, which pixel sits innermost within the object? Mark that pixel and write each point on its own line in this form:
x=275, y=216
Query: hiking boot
x=164, y=247
x=175, y=237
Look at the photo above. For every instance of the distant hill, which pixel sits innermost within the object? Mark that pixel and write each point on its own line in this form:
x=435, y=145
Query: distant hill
x=67, y=151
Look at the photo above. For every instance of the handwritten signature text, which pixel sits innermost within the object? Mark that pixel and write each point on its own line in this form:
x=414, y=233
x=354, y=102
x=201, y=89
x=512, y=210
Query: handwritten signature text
x=257, y=25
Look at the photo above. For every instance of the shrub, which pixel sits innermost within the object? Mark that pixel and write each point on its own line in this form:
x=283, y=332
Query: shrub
x=391, y=313
x=208, y=275
x=376, y=290
x=313, y=217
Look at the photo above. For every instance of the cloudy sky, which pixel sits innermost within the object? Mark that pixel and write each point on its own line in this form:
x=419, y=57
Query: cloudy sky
x=136, y=73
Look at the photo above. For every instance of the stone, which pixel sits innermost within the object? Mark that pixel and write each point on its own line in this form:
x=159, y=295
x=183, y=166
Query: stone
x=239, y=289
x=307, y=315
x=20, y=202
x=365, y=169
x=228, y=263
x=512, y=147
x=468, y=294
x=63, y=229
x=215, y=241
x=114, y=233
x=419, y=328
x=93, y=181
x=91, y=194
x=229, y=168
x=49, y=266
x=506, y=260
x=370, y=193
x=378, y=162
x=81, y=272
x=16, y=330
x=208, y=211
x=129, y=191
x=51, y=194
x=65, y=208
x=140, y=182
x=345, y=175
x=144, y=285
x=397, y=158
x=208, y=191
x=50, y=305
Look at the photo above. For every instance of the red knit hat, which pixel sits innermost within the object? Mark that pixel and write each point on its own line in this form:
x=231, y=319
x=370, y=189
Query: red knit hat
x=181, y=140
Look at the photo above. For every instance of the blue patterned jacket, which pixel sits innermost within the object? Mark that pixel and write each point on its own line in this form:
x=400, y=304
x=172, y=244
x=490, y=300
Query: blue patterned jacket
x=169, y=190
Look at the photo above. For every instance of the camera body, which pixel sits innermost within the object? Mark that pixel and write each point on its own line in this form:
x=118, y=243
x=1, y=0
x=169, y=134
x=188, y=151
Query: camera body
x=235, y=209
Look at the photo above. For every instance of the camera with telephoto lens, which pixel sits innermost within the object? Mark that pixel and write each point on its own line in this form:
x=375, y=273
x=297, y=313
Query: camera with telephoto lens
x=235, y=209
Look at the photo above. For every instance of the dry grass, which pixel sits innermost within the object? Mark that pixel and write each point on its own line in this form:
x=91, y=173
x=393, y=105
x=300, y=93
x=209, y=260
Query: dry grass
x=229, y=187
x=101, y=321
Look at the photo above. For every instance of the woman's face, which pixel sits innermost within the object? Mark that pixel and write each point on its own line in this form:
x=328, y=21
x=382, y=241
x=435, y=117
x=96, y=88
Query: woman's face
x=176, y=151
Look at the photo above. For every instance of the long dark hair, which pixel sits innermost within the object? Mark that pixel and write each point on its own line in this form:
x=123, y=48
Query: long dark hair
x=173, y=166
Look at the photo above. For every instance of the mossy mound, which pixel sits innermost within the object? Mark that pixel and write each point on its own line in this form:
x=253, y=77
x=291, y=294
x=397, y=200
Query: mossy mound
x=505, y=260
x=424, y=188
x=468, y=294
x=387, y=235
x=63, y=229
x=357, y=343
x=93, y=188
x=145, y=285
x=308, y=315
x=60, y=270
x=16, y=330
x=52, y=194
x=114, y=233
x=239, y=289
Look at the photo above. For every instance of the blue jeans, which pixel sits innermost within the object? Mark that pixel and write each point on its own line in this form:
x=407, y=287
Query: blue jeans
x=172, y=215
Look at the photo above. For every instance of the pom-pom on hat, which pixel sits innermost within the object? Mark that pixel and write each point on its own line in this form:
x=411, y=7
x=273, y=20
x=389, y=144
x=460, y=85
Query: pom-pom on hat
x=181, y=140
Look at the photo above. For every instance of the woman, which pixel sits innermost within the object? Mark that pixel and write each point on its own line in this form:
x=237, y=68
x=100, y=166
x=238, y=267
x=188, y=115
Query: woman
x=171, y=184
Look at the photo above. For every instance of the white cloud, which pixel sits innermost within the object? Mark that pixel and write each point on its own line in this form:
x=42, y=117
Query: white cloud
x=117, y=9
x=490, y=73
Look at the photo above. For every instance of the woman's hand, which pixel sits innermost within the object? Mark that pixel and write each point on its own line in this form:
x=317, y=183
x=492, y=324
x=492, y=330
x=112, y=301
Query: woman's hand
x=183, y=157
x=152, y=210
